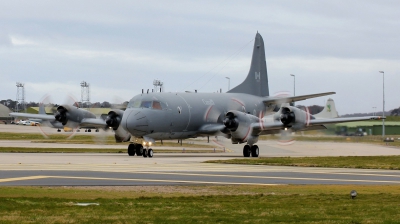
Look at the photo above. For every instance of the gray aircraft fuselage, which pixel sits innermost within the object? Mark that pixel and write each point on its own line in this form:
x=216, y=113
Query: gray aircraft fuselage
x=181, y=115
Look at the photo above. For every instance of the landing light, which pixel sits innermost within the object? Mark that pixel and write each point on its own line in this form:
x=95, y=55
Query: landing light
x=149, y=143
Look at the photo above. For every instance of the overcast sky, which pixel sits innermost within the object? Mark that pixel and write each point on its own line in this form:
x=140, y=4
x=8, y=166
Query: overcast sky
x=120, y=47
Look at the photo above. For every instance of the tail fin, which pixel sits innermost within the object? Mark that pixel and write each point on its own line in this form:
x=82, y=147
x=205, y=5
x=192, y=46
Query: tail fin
x=329, y=110
x=41, y=109
x=256, y=82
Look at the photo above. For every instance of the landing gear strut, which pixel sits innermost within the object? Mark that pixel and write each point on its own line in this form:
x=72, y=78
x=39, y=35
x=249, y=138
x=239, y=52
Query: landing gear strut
x=251, y=150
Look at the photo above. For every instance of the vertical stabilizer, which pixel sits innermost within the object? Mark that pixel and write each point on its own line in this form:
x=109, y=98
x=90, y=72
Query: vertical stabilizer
x=41, y=109
x=329, y=110
x=256, y=82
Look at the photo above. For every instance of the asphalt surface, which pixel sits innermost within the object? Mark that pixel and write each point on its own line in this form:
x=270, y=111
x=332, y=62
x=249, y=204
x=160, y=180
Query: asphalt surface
x=91, y=169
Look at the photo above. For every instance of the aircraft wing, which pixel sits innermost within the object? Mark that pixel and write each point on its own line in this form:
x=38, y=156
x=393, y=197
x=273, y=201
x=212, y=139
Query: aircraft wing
x=342, y=120
x=290, y=99
x=274, y=127
x=211, y=128
x=93, y=122
x=36, y=116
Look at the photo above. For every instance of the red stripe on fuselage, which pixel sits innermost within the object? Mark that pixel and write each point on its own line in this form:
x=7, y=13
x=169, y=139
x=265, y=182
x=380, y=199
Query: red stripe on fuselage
x=248, y=131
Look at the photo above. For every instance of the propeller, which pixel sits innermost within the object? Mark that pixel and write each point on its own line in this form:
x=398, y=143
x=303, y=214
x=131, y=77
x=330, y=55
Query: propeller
x=287, y=117
x=113, y=120
x=231, y=122
x=292, y=122
x=61, y=115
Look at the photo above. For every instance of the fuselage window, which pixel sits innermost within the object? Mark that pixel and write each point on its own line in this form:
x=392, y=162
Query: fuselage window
x=146, y=104
x=157, y=105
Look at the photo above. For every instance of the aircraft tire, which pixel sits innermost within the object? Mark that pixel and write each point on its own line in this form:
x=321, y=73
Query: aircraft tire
x=97, y=130
x=255, y=151
x=139, y=150
x=246, y=151
x=89, y=130
x=150, y=153
x=131, y=150
x=144, y=153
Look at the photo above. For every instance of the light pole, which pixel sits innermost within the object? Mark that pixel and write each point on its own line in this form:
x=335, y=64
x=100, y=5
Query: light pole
x=294, y=85
x=229, y=83
x=383, y=109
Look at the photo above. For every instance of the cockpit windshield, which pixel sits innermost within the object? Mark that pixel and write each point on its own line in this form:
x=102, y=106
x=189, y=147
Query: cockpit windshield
x=151, y=104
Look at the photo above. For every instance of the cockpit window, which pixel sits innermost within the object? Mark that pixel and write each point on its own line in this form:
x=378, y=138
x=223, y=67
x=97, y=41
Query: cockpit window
x=136, y=104
x=157, y=105
x=146, y=104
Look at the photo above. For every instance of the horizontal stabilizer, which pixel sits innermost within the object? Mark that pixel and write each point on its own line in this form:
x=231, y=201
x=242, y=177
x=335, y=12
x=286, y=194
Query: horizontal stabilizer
x=279, y=100
x=36, y=116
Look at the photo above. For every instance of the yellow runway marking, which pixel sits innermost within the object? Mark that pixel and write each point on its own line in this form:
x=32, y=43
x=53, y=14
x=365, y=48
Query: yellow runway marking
x=158, y=180
x=195, y=182
x=22, y=178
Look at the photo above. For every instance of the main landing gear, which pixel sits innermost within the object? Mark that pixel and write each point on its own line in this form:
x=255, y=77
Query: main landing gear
x=251, y=150
x=139, y=150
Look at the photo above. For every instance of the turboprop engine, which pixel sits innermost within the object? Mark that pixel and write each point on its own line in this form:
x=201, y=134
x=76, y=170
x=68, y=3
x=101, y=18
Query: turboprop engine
x=239, y=125
x=65, y=113
x=113, y=120
x=293, y=118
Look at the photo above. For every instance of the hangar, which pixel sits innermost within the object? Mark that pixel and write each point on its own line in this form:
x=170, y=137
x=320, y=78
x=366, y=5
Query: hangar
x=4, y=113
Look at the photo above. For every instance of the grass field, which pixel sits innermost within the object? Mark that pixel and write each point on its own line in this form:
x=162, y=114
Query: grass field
x=333, y=138
x=201, y=204
x=361, y=162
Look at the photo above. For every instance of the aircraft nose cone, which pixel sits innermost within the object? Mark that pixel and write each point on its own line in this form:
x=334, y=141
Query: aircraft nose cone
x=136, y=123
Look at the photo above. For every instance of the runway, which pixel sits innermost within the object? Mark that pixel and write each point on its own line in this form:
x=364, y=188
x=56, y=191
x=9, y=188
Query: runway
x=106, y=169
x=116, y=169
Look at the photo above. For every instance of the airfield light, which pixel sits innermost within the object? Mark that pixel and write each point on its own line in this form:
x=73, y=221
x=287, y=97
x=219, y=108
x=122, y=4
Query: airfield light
x=294, y=85
x=353, y=194
x=383, y=109
x=229, y=83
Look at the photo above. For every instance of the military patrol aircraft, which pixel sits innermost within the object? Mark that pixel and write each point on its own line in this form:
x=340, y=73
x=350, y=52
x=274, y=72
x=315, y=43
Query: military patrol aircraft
x=242, y=114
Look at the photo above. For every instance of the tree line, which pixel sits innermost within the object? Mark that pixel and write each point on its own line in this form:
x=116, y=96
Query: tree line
x=12, y=104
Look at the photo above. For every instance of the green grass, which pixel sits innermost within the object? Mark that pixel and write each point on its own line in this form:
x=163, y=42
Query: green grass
x=377, y=140
x=361, y=162
x=201, y=204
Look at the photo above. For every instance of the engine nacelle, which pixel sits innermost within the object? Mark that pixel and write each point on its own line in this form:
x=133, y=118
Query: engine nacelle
x=67, y=113
x=239, y=125
x=293, y=117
